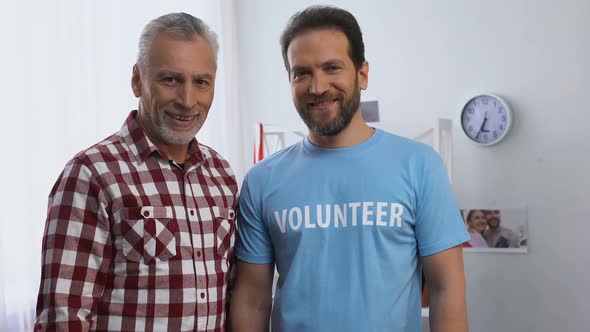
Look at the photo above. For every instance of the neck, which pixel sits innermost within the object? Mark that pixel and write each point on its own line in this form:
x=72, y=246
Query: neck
x=356, y=133
x=176, y=152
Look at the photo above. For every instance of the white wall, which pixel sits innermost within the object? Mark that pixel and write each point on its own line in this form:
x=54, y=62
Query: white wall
x=426, y=59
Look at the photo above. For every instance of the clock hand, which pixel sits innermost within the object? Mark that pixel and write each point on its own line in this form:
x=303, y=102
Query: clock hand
x=485, y=119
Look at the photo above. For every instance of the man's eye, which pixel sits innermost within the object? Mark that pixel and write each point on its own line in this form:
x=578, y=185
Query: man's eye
x=170, y=80
x=298, y=75
x=202, y=83
x=332, y=68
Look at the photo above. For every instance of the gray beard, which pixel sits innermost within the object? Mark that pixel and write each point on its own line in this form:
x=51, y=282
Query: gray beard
x=170, y=138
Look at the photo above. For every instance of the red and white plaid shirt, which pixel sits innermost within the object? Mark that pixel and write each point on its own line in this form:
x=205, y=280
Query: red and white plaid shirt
x=134, y=242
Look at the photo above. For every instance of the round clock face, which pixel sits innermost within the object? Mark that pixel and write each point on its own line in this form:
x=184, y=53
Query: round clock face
x=486, y=119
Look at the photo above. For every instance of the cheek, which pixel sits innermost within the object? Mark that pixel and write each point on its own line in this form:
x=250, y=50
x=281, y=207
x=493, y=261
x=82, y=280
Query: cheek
x=346, y=84
x=298, y=91
x=206, y=98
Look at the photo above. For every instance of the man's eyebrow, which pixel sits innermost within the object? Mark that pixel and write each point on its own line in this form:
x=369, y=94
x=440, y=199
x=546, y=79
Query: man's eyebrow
x=208, y=77
x=163, y=73
x=299, y=68
x=333, y=62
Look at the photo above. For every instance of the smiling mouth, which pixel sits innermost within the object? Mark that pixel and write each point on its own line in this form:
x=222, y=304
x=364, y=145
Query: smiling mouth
x=182, y=117
x=321, y=102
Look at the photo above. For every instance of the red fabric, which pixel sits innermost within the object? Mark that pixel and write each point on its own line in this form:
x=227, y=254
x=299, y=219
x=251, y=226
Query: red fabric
x=261, y=143
x=135, y=242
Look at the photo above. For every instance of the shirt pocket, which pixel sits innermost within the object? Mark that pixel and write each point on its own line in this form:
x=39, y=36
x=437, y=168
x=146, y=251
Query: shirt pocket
x=148, y=234
x=224, y=226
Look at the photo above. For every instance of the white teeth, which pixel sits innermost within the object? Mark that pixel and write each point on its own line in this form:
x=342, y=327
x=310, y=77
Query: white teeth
x=182, y=118
x=322, y=102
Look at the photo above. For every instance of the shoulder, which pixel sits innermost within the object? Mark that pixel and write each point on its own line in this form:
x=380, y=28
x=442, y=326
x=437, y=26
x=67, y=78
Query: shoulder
x=406, y=146
x=220, y=168
x=110, y=148
x=417, y=156
x=83, y=170
x=275, y=163
x=213, y=157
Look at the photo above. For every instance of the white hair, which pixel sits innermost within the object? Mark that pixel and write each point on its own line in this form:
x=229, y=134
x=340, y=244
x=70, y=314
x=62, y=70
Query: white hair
x=181, y=24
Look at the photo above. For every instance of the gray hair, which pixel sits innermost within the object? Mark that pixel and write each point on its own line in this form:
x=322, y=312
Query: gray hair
x=183, y=25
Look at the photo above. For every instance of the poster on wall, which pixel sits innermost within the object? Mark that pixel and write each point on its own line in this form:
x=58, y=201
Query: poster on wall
x=496, y=230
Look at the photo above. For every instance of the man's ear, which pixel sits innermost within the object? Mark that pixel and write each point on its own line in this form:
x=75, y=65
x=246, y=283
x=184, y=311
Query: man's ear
x=363, y=75
x=136, y=81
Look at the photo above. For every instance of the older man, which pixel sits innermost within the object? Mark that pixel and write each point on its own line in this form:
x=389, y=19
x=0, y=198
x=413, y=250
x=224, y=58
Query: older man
x=140, y=227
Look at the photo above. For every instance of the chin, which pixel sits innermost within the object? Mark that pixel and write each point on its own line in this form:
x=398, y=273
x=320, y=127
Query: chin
x=176, y=139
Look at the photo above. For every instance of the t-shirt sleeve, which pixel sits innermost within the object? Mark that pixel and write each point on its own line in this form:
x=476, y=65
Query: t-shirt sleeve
x=439, y=225
x=254, y=244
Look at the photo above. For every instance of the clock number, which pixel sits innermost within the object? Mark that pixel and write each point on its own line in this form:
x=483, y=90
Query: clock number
x=467, y=118
x=485, y=101
x=501, y=127
x=504, y=118
x=495, y=134
x=470, y=128
x=485, y=137
x=471, y=110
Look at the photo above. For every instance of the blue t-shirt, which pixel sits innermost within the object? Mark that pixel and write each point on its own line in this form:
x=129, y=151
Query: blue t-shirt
x=346, y=228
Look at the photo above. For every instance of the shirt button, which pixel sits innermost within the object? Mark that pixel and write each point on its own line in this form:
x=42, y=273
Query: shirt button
x=192, y=212
x=146, y=214
x=202, y=295
x=199, y=253
x=231, y=215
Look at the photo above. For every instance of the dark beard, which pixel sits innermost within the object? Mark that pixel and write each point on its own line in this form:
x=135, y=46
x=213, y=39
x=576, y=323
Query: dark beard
x=496, y=223
x=348, y=108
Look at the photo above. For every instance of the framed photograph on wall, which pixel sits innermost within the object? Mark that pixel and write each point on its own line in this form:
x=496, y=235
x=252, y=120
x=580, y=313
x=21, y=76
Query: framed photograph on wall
x=496, y=230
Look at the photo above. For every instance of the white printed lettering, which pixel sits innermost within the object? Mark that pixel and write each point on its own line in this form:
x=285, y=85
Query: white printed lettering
x=361, y=213
x=340, y=214
x=281, y=219
x=295, y=224
x=367, y=213
x=307, y=218
x=396, y=214
x=354, y=206
x=323, y=222
x=381, y=213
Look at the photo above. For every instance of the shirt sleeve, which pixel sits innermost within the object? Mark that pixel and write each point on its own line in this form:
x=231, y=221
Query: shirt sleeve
x=75, y=253
x=254, y=244
x=439, y=225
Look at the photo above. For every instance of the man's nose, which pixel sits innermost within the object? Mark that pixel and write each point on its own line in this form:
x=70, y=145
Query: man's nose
x=319, y=85
x=187, y=97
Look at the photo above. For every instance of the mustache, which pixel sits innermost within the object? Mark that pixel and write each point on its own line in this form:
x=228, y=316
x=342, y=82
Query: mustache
x=311, y=98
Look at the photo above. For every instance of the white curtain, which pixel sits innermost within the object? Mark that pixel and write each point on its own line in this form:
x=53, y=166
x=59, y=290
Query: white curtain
x=66, y=68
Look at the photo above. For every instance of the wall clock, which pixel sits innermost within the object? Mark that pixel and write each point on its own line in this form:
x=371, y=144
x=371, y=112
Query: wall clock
x=486, y=119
